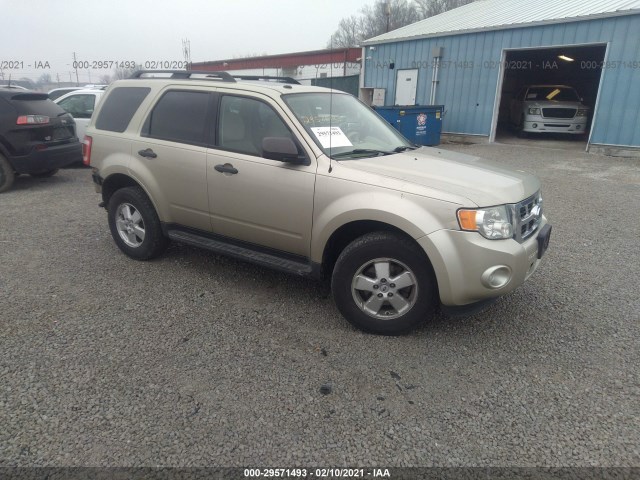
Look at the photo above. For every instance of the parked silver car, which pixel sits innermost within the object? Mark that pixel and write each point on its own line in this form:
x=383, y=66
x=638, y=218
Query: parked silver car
x=549, y=108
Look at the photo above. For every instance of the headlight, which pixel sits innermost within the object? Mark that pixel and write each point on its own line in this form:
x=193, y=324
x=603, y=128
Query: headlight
x=493, y=223
x=534, y=111
x=582, y=112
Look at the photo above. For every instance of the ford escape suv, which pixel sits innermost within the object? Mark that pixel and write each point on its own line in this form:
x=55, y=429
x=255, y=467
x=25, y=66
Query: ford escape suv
x=313, y=182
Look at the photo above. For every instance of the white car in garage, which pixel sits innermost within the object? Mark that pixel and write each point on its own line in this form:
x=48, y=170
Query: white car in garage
x=549, y=108
x=80, y=104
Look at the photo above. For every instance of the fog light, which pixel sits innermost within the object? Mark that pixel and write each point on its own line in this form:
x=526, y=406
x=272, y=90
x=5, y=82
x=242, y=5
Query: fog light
x=496, y=277
x=535, y=125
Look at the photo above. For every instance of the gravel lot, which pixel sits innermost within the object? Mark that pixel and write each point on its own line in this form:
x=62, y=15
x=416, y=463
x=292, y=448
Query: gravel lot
x=195, y=359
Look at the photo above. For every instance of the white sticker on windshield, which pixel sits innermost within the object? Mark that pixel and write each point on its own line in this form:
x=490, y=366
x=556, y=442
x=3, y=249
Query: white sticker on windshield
x=331, y=137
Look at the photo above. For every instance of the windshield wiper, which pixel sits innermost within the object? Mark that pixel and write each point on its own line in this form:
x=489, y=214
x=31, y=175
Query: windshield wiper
x=360, y=151
x=402, y=148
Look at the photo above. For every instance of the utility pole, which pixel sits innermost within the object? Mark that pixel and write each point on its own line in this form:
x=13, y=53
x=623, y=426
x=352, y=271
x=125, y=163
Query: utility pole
x=75, y=64
x=58, y=78
x=186, y=53
x=387, y=12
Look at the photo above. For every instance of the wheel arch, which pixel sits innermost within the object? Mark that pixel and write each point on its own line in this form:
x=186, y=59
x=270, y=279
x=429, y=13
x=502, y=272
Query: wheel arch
x=4, y=151
x=115, y=182
x=350, y=231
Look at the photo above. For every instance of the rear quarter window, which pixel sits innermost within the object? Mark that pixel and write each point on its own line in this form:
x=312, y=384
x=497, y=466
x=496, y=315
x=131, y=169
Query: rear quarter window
x=119, y=107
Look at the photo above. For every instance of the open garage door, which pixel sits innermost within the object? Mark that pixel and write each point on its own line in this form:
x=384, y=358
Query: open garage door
x=579, y=67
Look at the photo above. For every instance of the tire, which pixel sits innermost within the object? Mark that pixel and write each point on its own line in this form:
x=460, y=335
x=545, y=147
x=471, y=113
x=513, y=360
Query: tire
x=372, y=262
x=134, y=224
x=48, y=173
x=7, y=175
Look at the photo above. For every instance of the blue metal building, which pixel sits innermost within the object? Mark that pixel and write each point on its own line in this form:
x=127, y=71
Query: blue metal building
x=473, y=59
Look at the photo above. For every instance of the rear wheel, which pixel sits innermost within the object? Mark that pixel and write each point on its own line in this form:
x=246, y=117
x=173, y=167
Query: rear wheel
x=7, y=175
x=134, y=224
x=383, y=283
x=45, y=174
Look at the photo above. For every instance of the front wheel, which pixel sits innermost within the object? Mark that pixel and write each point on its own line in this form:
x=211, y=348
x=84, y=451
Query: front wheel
x=383, y=283
x=135, y=225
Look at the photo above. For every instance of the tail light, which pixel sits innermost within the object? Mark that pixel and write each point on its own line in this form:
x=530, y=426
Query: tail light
x=32, y=120
x=86, y=150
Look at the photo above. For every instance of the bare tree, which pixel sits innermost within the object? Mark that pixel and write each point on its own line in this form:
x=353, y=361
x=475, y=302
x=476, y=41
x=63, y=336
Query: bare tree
x=429, y=8
x=384, y=16
x=349, y=33
x=376, y=19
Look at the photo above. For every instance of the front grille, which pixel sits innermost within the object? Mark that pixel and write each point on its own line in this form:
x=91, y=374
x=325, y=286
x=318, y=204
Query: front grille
x=559, y=112
x=527, y=215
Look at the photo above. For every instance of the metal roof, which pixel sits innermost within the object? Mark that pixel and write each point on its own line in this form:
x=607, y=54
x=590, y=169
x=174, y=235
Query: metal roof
x=485, y=15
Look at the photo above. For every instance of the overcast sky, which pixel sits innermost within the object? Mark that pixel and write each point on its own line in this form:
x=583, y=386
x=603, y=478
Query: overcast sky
x=145, y=30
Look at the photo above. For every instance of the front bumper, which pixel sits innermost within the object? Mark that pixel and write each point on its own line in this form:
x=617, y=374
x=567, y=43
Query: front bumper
x=577, y=125
x=50, y=158
x=464, y=261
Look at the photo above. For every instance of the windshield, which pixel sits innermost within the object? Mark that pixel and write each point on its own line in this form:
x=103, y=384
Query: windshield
x=343, y=127
x=559, y=94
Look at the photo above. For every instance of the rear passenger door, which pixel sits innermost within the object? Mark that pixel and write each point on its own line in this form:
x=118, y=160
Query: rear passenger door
x=171, y=155
x=254, y=199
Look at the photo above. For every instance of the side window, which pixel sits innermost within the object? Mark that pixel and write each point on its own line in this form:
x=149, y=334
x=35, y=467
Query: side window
x=245, y=122
x=119, y=107
x=179, y=116
x=80, y=106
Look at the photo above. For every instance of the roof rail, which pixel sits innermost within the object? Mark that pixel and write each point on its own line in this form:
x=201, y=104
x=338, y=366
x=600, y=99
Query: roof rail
x=267, y=77
x=186, y=74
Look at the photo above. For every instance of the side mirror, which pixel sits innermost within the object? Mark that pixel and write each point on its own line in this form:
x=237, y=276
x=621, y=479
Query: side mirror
x=282, y=149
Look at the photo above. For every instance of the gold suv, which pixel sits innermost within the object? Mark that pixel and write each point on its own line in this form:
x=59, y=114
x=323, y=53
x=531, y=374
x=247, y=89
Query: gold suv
x=313, y=182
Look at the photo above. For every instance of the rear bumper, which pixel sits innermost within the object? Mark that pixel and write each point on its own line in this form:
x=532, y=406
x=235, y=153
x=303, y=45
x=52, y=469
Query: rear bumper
x=464, y=261
x=50, y=158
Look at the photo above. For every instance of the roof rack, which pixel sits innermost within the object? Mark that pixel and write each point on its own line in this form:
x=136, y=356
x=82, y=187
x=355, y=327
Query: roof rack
x=267, y=77
x=186, y=74
x=224, y=76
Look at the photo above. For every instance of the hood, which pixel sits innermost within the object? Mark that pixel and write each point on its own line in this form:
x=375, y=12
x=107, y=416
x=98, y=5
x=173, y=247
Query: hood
x=474, y=178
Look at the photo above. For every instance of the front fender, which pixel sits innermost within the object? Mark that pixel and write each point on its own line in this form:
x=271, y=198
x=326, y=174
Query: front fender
x=415, y=215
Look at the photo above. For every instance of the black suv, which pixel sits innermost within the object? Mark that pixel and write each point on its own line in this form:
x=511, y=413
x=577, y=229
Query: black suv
x=36, y=136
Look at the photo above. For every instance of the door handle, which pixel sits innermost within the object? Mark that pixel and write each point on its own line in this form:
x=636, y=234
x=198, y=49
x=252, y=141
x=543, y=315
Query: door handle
x=226, y=168
x=147, y=153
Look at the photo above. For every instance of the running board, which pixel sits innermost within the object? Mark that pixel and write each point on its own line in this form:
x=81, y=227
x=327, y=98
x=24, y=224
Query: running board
x=243, y=253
